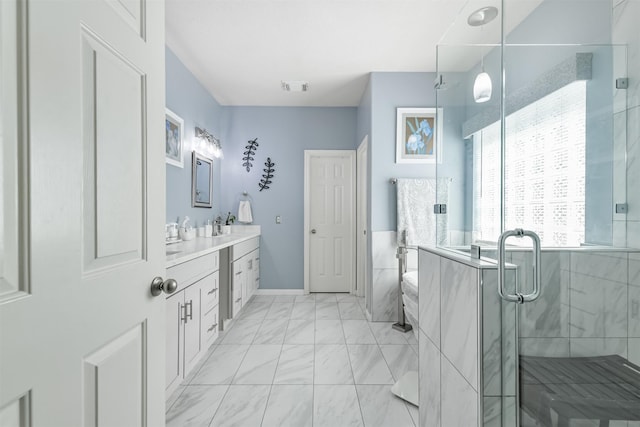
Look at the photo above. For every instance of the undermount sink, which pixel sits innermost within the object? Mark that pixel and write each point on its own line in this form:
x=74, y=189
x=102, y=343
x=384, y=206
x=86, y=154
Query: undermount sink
x=172, y=252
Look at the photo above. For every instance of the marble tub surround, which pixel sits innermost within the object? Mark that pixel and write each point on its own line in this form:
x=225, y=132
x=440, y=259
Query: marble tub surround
x=307, y=371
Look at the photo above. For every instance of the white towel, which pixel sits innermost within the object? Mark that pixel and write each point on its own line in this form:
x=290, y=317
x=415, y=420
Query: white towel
x=244, y=212
x=416, y=198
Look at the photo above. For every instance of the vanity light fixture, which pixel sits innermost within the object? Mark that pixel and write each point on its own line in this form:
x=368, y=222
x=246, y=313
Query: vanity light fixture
x=208, y=144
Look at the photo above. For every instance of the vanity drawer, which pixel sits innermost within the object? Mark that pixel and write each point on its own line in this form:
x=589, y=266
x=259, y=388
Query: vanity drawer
x=210, y=292
x=209, y=328
x=195, y=269
x=241, y=249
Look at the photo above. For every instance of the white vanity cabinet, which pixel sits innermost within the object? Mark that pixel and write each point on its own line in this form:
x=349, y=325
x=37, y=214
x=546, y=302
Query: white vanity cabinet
x=256, y=271
x=243, y=273
x=192, y=315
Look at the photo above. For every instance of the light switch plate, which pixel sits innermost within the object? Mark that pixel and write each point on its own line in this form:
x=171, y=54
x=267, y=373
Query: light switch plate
x=278, y=219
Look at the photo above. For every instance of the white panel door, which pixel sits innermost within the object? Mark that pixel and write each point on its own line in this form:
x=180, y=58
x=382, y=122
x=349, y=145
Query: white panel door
x=362, y=252
x=82, y=339
x=330, y=220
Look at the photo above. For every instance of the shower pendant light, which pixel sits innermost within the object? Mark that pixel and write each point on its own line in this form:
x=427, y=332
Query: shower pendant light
x=482, y=87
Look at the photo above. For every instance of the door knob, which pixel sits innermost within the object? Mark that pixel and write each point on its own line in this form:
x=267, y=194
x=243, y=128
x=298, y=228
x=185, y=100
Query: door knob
x=313, y=231
x=158, y=285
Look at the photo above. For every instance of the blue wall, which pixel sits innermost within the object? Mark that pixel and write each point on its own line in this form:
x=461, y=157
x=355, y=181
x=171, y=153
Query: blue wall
x=283, y=134
x=398, y=90
x=186, y=97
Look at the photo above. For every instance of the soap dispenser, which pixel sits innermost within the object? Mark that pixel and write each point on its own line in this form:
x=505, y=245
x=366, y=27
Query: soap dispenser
x=186, y=230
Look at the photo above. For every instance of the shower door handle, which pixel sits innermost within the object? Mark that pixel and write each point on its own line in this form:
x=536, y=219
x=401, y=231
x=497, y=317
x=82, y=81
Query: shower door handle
x=518, y=297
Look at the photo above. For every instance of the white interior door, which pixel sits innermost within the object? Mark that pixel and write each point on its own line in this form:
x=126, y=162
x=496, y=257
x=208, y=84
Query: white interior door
x=82, y=128
x=329, y=220
x=361, y=216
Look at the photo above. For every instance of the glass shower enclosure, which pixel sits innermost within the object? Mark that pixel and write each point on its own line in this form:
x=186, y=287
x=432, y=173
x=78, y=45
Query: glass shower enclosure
x=547, y=158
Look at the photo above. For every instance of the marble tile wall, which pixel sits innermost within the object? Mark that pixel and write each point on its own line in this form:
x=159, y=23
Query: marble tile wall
x=448, y=342
x=429, y=379
x=588, y=304
x=384, y=302
x=498, y=338
x=594, y=309
x=384, y=307
x=459, y=406
x=429, y=305
x=459, y=317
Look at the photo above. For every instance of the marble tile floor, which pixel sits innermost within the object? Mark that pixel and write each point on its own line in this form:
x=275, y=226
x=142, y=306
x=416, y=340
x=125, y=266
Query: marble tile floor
x=299, y=361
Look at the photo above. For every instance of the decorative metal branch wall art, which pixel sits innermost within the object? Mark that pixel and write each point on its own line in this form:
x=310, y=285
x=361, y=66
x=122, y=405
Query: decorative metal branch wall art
x=268, y=174
x=251, y=148
x=248, y=159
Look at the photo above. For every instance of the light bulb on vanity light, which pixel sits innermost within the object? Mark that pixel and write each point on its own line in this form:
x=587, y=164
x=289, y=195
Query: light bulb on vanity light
x=208, y=144
x=482, y=87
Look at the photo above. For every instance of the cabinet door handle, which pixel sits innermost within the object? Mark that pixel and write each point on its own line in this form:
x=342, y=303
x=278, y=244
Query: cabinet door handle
x=239, y=299
x=183, y=308
x=190, y=314
x=238, y=273
x=212, y=327
x=212, y=291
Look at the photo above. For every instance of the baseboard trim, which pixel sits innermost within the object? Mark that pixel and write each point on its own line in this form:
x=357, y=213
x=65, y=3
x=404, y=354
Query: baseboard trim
x=279, y=292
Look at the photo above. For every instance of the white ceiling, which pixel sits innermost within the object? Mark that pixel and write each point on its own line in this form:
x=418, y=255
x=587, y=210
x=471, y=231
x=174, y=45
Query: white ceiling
x=241, y=50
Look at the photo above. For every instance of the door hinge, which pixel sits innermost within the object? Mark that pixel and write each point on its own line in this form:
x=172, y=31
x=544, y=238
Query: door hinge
x=440, y=208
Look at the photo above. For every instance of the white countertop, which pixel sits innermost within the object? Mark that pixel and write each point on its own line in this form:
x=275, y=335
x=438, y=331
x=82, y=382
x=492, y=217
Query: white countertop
x=184, y=251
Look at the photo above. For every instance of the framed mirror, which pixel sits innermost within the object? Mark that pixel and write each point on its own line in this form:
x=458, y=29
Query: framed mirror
x=202, y=181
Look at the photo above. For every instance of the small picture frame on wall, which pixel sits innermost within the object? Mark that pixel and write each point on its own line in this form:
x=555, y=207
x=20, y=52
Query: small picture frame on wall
x=174, y=139
x=418, y=132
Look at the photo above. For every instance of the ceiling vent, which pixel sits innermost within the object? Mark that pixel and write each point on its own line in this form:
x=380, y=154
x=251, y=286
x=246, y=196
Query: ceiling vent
x=295, y=86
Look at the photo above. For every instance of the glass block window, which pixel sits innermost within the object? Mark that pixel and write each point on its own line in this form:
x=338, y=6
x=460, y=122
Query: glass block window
x=544, y=171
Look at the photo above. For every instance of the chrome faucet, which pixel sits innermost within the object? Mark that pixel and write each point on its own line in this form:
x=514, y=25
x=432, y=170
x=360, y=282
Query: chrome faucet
x=217, y=226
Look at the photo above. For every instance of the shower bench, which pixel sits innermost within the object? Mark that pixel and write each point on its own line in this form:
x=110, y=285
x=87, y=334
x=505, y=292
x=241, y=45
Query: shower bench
x=603, y=388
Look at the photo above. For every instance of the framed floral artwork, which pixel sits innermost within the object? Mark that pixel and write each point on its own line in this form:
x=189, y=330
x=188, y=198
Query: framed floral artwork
x=418, y=131
x=174, y=139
